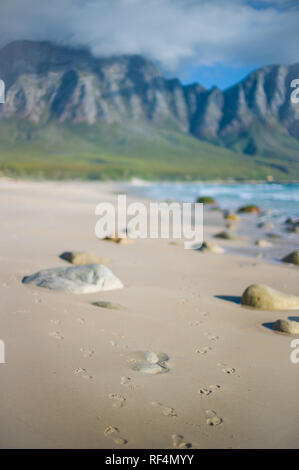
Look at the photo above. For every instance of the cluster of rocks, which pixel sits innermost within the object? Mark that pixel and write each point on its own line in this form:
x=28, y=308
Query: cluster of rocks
x=263, y=297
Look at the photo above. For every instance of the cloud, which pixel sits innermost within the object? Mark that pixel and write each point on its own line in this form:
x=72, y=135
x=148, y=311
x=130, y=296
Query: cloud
x=172, y=32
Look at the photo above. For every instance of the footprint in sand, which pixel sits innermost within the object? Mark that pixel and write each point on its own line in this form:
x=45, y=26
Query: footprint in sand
x=81, y=321
x=128, y=382
x=113, y=433
x=115, y=344
x=212, y=337
x=178, y=442
x=206, y=391
x=194, y=323
x=212, y=418
x=118, y=400
x=229, y=370
x=166, y=410
x=204, y=314
x=204, y=350
x=87, y=352
x=55, y=322
x=56, y=335
x=83, y=373
x=148, y=362
x=226, y=369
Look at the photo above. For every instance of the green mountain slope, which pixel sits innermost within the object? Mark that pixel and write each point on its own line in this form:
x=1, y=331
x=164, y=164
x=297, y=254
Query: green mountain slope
x=101, y=151
x=273, y=143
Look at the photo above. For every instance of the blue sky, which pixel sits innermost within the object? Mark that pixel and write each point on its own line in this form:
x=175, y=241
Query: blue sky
x=220, y=75
x=214, y=42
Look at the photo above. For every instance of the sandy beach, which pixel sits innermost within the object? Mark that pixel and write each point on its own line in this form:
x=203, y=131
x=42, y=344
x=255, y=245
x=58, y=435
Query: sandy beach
x=67, y=380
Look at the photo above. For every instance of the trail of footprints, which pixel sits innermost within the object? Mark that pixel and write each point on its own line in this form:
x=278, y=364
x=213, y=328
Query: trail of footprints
x=118, y=400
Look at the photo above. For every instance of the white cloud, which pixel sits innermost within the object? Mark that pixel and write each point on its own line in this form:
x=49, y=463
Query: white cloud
x=172, y=32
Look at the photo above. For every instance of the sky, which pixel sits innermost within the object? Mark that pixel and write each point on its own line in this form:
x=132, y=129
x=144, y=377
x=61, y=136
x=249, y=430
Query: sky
x=213, y=42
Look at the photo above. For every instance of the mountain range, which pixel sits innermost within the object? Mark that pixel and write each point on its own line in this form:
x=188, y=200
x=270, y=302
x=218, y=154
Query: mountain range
x=68, y=113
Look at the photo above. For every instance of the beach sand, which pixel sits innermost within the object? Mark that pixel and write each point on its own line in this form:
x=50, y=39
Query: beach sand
x=67, y=380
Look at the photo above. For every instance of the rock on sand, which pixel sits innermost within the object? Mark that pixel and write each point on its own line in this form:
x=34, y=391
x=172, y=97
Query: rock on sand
x=211, y=247
x=265, y=298
x=119, y=240
x=233, y=217
x=80, y=258
x=292, y=258
x=107, y=304
x=287, y=326
x=250, y=209
x=76, y=279
x=263, y=243
x=225, y=236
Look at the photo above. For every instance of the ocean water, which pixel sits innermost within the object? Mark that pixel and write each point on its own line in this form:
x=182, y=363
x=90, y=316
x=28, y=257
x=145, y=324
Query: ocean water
x=281, y=199
x=278, y=201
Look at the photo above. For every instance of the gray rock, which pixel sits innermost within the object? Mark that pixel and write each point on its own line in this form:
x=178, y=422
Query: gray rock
x=76, y=279
x=148, y=362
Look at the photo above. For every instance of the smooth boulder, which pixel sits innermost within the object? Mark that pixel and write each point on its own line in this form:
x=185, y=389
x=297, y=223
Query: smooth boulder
x=211, y=247
x=76, y=279
x=265, y=298
x=119, y=240
x=107, y=304
x=292, y=258
x=249, y=209
x=206, y=200
x=287, y=326
x=263, y=243
x=266, y=226
x=232, y=217
x=225, y=236
x=80, y=258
